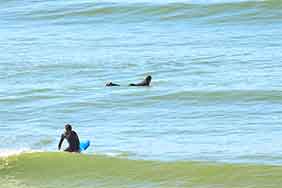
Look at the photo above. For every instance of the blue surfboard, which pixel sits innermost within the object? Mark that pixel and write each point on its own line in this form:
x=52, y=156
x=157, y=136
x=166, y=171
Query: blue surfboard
x=84, y=145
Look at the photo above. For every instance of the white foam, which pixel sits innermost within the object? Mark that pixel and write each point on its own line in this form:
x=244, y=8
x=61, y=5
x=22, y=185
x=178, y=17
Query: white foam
x=112, y=154
x=12, y=152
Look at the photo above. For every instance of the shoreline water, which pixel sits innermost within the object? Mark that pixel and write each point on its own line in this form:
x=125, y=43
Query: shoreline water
x=57, y=169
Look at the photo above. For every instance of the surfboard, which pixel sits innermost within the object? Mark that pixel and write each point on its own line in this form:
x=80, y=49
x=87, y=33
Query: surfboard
x=84, y=145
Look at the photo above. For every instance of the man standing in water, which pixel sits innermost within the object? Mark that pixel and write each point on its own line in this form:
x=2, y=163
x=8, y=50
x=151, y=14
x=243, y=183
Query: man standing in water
x=72, y=139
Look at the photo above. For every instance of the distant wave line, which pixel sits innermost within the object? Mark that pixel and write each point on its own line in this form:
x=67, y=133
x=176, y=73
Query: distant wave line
x=213, y=13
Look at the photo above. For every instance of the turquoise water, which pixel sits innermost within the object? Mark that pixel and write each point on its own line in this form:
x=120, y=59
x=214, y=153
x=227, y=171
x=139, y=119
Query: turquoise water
x=216, y=92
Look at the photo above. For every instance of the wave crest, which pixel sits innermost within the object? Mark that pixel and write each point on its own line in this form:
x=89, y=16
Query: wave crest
x=231, y=12
x=76, y=170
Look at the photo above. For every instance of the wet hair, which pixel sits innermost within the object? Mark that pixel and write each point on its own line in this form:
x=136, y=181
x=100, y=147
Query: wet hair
x=148, y=78
x=68, y=127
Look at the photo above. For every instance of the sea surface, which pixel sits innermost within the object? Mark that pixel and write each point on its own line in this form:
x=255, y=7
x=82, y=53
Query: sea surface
x=212, y=117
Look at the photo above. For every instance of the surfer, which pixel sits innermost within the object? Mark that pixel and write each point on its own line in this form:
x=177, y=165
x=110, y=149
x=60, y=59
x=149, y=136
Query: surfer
x=72, y=139
x=145, y=82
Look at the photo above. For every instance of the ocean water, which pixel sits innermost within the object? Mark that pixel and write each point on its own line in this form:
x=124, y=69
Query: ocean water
x=211, y=119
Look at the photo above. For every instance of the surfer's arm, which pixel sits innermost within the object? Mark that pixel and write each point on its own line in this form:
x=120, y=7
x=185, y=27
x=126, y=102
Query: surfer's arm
x=111, y=84
x=61, y=141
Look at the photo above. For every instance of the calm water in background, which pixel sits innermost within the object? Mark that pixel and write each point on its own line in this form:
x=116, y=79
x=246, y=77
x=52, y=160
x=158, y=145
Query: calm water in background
x=216, y=67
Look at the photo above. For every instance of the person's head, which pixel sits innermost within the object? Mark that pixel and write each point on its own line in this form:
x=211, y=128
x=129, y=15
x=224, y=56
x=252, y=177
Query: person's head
x=68, y=128
x=148, y=79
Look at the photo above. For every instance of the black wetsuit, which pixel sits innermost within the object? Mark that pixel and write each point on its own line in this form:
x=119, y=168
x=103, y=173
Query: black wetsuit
x=73, y=141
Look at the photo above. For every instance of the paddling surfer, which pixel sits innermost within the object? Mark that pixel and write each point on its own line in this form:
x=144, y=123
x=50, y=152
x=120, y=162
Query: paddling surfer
x=145, y=82
x=72, y=139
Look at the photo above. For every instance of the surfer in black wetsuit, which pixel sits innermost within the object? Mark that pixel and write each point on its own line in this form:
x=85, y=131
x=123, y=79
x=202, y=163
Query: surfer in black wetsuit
x=72, y=139
x=145, y=82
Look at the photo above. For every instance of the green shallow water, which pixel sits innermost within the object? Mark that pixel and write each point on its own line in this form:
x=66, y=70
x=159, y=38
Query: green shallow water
x=54, y=170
